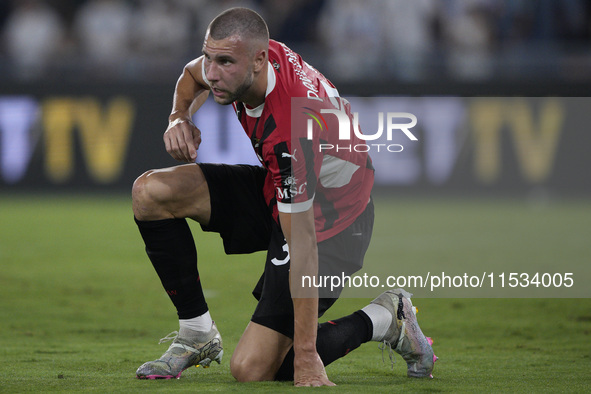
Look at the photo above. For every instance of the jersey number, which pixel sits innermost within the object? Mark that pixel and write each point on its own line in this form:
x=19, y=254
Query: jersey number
x=276, y=261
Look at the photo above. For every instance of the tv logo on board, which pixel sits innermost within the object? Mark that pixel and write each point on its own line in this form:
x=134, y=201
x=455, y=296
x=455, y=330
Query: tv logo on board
x=389, y=121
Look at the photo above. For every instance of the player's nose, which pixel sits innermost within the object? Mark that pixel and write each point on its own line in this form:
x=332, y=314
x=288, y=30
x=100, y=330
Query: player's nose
x=212, y=72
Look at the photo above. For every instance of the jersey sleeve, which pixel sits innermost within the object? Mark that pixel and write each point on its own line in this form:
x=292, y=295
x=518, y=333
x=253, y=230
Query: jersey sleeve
x=296, y=177
x=295, y=163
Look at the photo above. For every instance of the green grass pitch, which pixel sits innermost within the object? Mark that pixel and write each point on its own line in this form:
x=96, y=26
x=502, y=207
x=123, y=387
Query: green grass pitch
x=81, y=308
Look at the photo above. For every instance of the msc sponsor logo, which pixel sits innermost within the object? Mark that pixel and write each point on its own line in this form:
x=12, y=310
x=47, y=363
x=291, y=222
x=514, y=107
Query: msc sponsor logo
x=291, y=188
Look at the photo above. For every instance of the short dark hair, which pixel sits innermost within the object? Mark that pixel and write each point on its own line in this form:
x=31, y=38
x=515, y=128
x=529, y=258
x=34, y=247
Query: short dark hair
x=240, y=21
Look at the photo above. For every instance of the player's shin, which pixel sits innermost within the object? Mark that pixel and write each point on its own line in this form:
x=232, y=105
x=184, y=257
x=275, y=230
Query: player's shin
x=171, y=249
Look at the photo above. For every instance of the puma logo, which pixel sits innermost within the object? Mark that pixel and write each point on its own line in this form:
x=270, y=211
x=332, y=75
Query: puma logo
x=283, y=155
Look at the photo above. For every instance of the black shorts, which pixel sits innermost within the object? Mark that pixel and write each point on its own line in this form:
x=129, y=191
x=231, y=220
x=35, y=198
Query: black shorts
x=245, y=223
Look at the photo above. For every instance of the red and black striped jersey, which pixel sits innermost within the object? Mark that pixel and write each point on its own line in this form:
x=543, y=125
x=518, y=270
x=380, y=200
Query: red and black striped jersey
x=291, y=134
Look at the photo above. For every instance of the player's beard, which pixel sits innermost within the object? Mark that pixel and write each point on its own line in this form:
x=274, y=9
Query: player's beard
x=239, y=91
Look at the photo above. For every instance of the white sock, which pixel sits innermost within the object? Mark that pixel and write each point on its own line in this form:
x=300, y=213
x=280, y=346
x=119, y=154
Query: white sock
x=381, y=318
x=201, y=323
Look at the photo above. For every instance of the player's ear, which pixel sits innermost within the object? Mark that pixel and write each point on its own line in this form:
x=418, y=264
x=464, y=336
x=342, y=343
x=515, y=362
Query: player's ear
x=260, y=59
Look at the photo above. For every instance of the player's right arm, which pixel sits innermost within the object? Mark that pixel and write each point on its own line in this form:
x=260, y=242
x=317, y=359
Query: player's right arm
x=181, y=137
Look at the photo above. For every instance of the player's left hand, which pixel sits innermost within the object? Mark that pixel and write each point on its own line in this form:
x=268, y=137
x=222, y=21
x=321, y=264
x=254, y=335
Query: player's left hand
x=309, y=370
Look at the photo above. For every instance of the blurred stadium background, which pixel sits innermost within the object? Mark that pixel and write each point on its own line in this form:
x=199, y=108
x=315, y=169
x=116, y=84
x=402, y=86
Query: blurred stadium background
x=363, y=41
x=85, y=87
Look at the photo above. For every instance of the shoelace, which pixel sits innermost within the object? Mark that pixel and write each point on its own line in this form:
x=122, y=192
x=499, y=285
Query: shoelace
x=386, y=345
x=170, y=337
x=173, y=336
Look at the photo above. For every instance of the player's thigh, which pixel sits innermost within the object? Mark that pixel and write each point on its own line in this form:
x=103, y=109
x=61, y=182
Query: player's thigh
x=175, y=192
x=259, y=354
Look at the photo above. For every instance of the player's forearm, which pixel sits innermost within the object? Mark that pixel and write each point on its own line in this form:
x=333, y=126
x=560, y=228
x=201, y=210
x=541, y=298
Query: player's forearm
x=300, y=234
x=189, y=93
x=304, y=263
x=305, y=324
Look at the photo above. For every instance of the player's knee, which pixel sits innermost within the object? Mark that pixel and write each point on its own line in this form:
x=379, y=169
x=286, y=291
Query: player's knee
x=139, y=188
x=238, y=369
x=245, y=370
x=145, y=195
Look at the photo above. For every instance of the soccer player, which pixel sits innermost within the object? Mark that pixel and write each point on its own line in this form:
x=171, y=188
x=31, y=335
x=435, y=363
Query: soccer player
x=310, y=210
